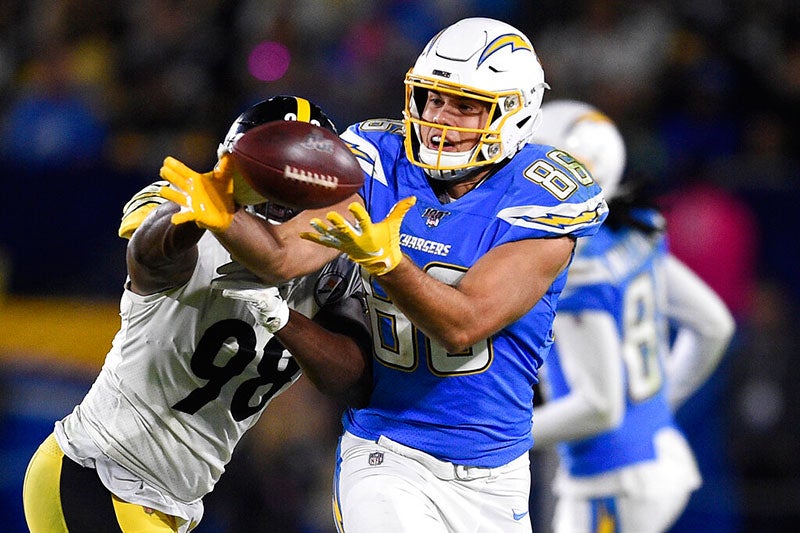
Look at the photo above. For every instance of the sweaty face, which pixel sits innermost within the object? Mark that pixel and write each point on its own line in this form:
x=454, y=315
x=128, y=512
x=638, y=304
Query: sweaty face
x=454, y=112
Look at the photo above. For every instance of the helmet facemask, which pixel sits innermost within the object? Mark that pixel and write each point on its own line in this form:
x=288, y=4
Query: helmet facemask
x=437, y=162
x=272, y=212
x=483, y=60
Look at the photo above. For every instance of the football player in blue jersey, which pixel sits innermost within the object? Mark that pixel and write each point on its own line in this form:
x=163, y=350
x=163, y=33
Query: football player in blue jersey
x=463, y=272
x=613, y=380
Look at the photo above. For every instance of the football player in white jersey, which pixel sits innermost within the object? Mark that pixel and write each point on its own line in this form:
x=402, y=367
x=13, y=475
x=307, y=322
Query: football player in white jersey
x=463, y=273
x=202, y=349
x=613, y=379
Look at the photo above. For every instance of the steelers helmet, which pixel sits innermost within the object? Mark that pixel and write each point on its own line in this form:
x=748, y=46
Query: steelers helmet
x=589, y=136
x=276, y=108
x=486, y=60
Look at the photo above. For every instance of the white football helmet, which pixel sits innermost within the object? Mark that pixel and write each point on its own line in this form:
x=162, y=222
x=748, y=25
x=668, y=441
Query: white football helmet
x=486, y=60
x=589, y=136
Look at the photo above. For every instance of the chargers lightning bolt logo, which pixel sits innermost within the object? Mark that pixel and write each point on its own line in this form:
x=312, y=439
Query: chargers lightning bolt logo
x=560, y=221
x=516, y=42
x=359, y=153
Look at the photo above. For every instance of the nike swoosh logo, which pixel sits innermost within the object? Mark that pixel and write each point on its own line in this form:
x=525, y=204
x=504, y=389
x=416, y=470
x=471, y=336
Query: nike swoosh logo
x=519, y=516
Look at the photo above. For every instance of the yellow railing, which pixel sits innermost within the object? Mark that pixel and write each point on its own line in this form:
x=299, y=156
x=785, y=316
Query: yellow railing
x=71, y=331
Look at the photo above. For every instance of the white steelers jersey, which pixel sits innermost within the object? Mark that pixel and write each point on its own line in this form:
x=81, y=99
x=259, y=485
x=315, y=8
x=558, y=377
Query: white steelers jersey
x=188, y=373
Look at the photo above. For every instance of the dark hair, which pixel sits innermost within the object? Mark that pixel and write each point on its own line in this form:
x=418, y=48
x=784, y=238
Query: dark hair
x=624, y=210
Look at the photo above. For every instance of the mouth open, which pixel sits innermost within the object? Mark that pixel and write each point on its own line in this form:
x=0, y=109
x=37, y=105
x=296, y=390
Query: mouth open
x=434, y=142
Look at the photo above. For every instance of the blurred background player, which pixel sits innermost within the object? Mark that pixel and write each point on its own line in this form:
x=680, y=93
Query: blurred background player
x=201, y=351
x=613, y=377
x=463, y=273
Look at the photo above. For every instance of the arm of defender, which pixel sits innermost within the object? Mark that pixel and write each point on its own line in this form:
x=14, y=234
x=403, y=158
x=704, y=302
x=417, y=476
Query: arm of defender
x=333, y=349
x=343, y=369
x=139, y=206
x=161, y=255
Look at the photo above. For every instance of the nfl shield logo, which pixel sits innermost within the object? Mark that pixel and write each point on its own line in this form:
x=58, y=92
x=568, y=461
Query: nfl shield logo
x=375, y=458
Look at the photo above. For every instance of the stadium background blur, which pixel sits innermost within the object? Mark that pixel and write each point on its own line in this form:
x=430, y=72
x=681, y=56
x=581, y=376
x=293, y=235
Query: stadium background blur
x=95, y=93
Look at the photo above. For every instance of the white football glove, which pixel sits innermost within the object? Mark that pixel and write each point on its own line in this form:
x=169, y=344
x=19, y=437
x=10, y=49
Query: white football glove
x=270, y=310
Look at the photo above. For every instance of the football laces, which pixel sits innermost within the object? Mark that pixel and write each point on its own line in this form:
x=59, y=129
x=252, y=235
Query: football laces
x=314, y=178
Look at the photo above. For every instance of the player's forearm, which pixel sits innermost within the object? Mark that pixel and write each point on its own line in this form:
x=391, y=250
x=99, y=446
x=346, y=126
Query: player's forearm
x=570, y=418
x=254, y=246
x=264, y=249
x=589, y=353
x=705, y=327
x=160, y=254
x=494, y=292
x=437, y=309
x=692, y=360
x=159, y=241
x=273, y=252
x=334, y=363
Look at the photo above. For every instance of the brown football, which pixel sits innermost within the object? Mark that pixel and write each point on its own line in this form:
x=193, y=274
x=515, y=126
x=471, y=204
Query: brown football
x=297, y=164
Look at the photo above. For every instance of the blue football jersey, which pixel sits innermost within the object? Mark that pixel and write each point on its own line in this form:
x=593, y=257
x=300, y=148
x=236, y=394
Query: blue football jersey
x=617, y=271
x=474, y=407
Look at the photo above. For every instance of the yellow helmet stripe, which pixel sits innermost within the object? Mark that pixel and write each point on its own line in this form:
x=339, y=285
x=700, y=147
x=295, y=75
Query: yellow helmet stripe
x=303, y=109
x=593, y=116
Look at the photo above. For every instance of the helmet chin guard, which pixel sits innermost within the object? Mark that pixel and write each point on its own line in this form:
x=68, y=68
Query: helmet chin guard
x=484, y=60
x=434, y=158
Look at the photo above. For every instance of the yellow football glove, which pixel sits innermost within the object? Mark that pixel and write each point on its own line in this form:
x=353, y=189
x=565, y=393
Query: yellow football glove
x=205, y=199
x=138, y=207
x=376, y=247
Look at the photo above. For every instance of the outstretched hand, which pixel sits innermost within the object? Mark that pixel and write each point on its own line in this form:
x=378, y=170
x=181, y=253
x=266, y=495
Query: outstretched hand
x=376, y=247
x=205, y=199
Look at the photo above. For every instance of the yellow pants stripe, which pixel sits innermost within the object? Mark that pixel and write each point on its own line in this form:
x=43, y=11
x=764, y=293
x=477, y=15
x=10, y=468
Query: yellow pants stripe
x=40, y=490
x=41, y=496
